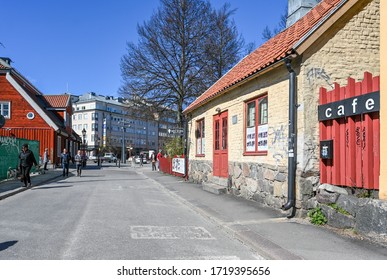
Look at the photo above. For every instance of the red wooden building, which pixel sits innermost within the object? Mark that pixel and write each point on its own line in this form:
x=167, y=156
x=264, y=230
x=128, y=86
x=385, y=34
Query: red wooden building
x=31, y=115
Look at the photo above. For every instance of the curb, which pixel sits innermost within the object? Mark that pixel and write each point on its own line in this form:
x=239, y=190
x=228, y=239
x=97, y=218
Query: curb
x=22, y=189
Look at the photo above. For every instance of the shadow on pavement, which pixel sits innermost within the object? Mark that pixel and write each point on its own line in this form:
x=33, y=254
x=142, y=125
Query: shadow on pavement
x=52, y=187
x=6, y=245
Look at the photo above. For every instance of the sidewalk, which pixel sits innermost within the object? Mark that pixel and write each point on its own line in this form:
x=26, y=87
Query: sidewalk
x=11, y=187
x=268, y=231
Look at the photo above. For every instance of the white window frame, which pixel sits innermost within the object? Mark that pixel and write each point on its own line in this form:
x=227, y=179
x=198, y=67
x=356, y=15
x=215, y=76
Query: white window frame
x=2, y=103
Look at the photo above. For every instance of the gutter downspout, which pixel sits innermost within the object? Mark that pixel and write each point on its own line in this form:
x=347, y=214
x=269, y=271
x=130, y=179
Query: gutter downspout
x=292, y=139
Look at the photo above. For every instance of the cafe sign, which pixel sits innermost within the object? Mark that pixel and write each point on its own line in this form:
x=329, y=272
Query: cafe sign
x=357, y=105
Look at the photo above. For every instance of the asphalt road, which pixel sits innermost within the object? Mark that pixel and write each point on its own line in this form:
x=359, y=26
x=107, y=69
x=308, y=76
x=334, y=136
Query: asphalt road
x=107, y=214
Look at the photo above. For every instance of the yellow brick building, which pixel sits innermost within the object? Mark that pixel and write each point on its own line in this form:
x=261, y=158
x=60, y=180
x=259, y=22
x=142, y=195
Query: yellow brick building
x=337, y=39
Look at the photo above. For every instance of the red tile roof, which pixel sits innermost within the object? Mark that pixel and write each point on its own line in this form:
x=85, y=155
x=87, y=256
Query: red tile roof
x=57, y=101
x=270, y=52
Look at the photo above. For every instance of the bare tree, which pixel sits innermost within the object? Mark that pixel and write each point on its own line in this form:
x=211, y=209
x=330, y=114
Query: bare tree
x=267, y=34
x=224, y=44
x=170, y=65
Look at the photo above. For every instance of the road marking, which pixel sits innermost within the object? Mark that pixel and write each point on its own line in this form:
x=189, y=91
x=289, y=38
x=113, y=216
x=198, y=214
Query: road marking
x=172, y=232
x=215, y=258
x=256, y=222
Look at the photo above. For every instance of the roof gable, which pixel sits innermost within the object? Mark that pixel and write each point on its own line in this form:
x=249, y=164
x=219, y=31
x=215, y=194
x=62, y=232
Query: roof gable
x=274, y=50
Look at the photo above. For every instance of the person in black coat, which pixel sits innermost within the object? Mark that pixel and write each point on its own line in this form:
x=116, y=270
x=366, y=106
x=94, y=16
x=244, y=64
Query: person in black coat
x=65, y=161
x=26, y=160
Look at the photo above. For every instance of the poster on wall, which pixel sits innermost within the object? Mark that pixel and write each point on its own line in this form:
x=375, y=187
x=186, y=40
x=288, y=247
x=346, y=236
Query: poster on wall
x=178, y=165
x=262, y=138
x=199, y=146
x=250, y=139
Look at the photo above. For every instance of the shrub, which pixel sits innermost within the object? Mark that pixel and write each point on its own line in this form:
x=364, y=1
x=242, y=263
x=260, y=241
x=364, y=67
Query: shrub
x=317, y=217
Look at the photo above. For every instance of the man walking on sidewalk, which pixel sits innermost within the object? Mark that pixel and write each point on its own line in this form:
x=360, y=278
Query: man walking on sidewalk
x=153, y=160
x=45, y=158
x=65, y=161
x=79, y=163
x=26, y=160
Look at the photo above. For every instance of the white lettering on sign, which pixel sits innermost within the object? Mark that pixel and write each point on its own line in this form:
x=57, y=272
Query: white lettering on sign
x=361, y=104
x=328, y=115
x=354, y=103
x=370, y=104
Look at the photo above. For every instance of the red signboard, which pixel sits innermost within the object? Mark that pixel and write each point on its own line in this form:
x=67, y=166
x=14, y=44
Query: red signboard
x=356, y=138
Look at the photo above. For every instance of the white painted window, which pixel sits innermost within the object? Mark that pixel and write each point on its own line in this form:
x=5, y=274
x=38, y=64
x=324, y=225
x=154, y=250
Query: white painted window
x=5, y=109
x=256, y=126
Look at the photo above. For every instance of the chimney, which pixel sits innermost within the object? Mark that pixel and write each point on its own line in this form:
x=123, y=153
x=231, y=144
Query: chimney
x=298, y=8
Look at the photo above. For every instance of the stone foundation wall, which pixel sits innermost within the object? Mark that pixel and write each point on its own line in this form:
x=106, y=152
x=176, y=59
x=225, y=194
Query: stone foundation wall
x=349, y=208
x=267, y=184
x=264, y=183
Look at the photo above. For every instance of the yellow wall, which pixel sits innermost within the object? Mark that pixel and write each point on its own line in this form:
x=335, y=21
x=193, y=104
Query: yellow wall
x=276, y=86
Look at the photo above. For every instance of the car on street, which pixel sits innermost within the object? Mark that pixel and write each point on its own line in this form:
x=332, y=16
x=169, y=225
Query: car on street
x=93, y=158
x=137, y=160
x=110, y=157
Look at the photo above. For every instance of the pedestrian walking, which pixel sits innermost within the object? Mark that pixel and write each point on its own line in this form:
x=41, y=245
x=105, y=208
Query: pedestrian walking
x=65, y=161
x=46, y=157
x=79, y=163
x=26, y=160
x=153, y=160
x=159, y=156
x=141, y=159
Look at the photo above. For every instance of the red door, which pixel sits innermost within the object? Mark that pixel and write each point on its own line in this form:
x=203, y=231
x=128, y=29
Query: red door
x=220, y=164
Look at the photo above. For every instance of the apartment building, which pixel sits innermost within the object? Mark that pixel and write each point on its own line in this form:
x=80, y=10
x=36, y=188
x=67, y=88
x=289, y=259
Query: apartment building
x=110, y=124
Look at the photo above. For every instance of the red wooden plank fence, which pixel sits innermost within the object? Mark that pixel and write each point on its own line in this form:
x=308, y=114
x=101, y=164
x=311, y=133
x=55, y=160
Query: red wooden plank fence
x=166, y=166
x=356, y=139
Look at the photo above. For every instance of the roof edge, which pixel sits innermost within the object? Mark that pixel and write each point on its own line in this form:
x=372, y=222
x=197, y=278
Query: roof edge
x=308, y=39
x=239, y=83
x=34, y=105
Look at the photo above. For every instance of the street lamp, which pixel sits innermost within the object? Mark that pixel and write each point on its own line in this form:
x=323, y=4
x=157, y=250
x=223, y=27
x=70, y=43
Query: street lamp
x=123, y=152
x=97, y=141
x=84, y=145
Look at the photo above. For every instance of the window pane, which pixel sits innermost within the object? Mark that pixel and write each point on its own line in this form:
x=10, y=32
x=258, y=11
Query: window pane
x=217, y=140
x=250, y=139
x=200, y=137
x=263, y=111
x=4, y=109
x=199, y=146
x=224, y=134
x=251, y=114
x=262, y=138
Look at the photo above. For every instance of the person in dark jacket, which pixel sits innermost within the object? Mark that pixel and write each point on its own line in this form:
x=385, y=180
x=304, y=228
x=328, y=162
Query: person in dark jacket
x=79, y=162
x=65, y=161
x=26, y=160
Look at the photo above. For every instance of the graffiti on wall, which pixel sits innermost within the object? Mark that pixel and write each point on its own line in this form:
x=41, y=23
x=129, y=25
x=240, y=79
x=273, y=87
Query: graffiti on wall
x=311, y=156
x=317, y=74
x=278, y=142
x=10, y=148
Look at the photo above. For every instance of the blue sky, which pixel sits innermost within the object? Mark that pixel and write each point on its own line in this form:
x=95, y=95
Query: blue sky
x=76, y=45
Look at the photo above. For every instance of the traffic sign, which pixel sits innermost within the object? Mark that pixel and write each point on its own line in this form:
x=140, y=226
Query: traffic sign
x=176, y=130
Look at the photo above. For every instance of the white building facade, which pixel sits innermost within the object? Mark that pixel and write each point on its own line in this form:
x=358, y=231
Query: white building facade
x=109, y=124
